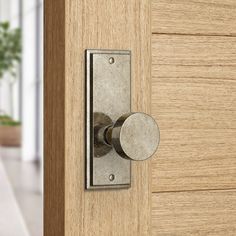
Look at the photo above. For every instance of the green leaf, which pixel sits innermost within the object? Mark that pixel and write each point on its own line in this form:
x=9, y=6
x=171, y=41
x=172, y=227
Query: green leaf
x=6, y=120
x=5, y=25
x=10, y=48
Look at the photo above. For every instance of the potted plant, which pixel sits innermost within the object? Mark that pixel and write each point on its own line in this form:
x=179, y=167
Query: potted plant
x=10, y=56
x=10, y=131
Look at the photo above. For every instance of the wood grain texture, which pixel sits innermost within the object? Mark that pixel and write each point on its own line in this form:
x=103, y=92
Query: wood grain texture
x=194, y=101
x=204, y=17
x=194, y=213
x=54, y=118
x=104, y=24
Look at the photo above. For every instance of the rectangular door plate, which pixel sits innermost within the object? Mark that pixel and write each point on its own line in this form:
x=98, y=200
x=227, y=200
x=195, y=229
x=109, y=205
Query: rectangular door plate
x=108, y=94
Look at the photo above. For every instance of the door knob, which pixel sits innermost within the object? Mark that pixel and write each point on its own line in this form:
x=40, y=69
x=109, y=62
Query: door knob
x=134, y=136
x=115, y=136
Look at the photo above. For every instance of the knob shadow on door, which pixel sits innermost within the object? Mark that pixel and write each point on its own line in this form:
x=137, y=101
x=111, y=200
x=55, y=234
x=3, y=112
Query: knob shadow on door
x=134, y=136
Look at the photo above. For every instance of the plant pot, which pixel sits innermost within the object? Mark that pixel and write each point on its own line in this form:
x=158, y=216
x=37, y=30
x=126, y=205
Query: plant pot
x=10, y=136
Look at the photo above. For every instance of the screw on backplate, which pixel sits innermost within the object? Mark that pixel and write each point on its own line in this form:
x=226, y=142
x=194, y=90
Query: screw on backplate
x=111, y=177
x=111, y=60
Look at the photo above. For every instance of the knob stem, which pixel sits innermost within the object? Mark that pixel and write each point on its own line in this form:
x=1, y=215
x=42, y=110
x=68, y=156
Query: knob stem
x=108, y=135
x=134, y=136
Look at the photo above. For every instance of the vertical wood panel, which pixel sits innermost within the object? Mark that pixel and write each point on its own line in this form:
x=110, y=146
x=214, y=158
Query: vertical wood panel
x=54, y=119
x=105, y=24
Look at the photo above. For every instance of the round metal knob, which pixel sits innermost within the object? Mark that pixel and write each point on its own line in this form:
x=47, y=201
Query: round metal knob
x=134, y=136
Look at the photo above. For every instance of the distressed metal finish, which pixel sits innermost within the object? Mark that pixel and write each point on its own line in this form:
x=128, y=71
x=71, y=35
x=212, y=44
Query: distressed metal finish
x=115, y=136
x=107, y=92
x=134, y=136
x=100, y=122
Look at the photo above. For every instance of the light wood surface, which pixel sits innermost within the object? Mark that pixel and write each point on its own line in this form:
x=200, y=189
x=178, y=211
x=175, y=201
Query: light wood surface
x=192, y=94
x=194, y=213
x=203, y=17
x=194, y=101
x=72, y=27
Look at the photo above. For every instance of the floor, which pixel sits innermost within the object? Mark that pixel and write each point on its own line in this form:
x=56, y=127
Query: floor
x=11, y=220
x=25, y=179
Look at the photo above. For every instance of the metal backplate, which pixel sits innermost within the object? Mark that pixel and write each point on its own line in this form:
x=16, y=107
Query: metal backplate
x=108, y=76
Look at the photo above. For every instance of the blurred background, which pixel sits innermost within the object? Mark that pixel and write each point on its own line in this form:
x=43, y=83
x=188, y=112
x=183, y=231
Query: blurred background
x=21, y=117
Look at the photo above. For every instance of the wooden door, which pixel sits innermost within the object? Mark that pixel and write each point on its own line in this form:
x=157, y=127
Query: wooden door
x=183, y=74
x=194, y=100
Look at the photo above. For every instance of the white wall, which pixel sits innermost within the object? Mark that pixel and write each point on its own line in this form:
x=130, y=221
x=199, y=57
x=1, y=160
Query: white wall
x=32, y=79
x=15, y=15
x=29, y=80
